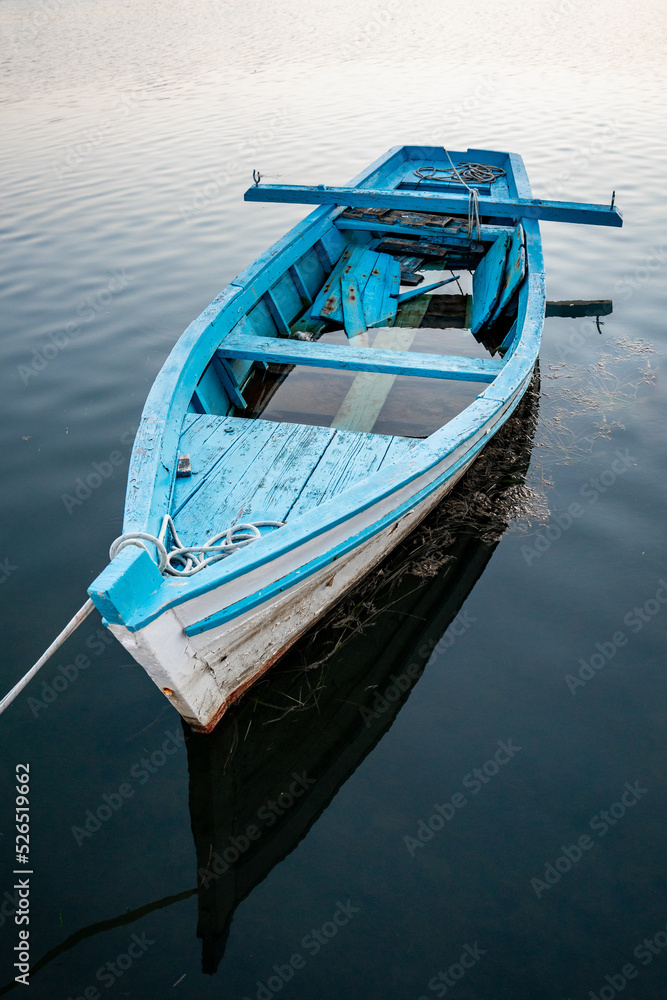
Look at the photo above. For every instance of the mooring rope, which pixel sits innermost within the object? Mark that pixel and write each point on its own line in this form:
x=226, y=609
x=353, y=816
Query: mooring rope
x=79, y=617
x=186, y=560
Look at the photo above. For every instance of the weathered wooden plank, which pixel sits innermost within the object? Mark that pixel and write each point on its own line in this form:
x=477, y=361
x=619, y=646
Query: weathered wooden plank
x=406, y=296
x=373, y=291
x=390, y=289
x=443, y=311
x=348, y=459
x=454, y=237
x=410, y=314
x=391, y=217
x=279, y=317
x=300, y=285
x=285, y=473
x=229, y=381
x=327, y=303
x=580, y=307
x=398, y=247
x=353, y=311
x=318, y=355
x=432, y=201
x=515, y=272
x=399, y=449
x=208, y=439
x=368, y=393
x=260, y=477
x=210, y=393
x=487, y=283
x=376, y=276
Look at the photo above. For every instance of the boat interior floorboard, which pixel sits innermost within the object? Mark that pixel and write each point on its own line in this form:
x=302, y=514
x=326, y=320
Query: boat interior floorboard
x=253, y=470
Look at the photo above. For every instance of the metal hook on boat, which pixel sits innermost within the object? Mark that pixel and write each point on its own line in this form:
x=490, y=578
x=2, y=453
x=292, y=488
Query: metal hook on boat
x=613, y=197
x=256, y=176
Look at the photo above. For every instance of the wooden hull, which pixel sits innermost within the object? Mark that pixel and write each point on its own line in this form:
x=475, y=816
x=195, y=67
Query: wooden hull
x=206, y=639
x=205, y=675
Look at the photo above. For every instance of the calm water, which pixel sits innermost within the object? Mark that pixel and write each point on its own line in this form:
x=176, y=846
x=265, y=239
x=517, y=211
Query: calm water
x=130, y=132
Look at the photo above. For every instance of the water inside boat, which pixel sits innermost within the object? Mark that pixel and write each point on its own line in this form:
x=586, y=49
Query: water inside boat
x=270, y=439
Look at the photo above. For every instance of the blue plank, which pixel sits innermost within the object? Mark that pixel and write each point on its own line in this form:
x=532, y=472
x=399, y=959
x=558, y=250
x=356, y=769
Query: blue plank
x=515, y=271
x=260, y=479
x=390, y=289
x=353, y=310
x=210, y=439
x=436, y=234
x=318, y=355
x=381, y=290
x=487, y=281
x=354, y=260
x=210, y=393
x=432, y=201
x=349, y=458
x=229, y=381
x=421, y=289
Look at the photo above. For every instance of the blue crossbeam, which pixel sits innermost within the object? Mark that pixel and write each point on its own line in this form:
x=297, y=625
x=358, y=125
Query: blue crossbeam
x=435, y=201
x=360, y=359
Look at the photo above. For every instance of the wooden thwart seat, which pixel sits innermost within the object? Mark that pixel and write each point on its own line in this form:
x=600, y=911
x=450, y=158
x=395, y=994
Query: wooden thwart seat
x=318, y=355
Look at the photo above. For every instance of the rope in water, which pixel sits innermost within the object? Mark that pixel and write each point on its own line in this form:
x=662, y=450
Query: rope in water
x=186, y=560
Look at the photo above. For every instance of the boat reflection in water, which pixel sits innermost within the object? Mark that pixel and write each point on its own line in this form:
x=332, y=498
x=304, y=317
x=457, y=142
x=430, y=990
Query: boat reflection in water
x=276, y=760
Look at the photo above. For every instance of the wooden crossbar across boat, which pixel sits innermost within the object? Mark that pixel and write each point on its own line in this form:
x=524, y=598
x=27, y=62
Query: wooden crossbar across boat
x=244, y=524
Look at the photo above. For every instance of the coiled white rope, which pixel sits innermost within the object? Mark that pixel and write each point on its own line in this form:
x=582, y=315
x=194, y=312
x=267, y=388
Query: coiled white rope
x=186, y=560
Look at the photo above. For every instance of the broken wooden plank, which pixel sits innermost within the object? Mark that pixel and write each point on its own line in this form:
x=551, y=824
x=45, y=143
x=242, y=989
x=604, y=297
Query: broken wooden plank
x=487, y=283
x=410, y=314
x=424, y=248
x=456, y=236
x=368, y=393
x=327, y=303
x=353, y=310
x=515, y=271
x=406, y=296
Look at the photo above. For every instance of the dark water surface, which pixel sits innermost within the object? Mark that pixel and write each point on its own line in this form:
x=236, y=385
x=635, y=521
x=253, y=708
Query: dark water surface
x=129, y=132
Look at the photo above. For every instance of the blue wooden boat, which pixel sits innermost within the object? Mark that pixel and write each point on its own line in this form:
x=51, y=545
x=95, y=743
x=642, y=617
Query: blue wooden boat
x=240, y=531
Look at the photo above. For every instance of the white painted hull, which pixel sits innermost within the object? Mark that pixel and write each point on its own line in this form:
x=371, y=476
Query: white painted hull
x=203, y=674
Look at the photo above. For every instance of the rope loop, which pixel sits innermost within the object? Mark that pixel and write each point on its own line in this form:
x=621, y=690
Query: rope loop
x=138, y=538
x=465, y=173
x=186, y=560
